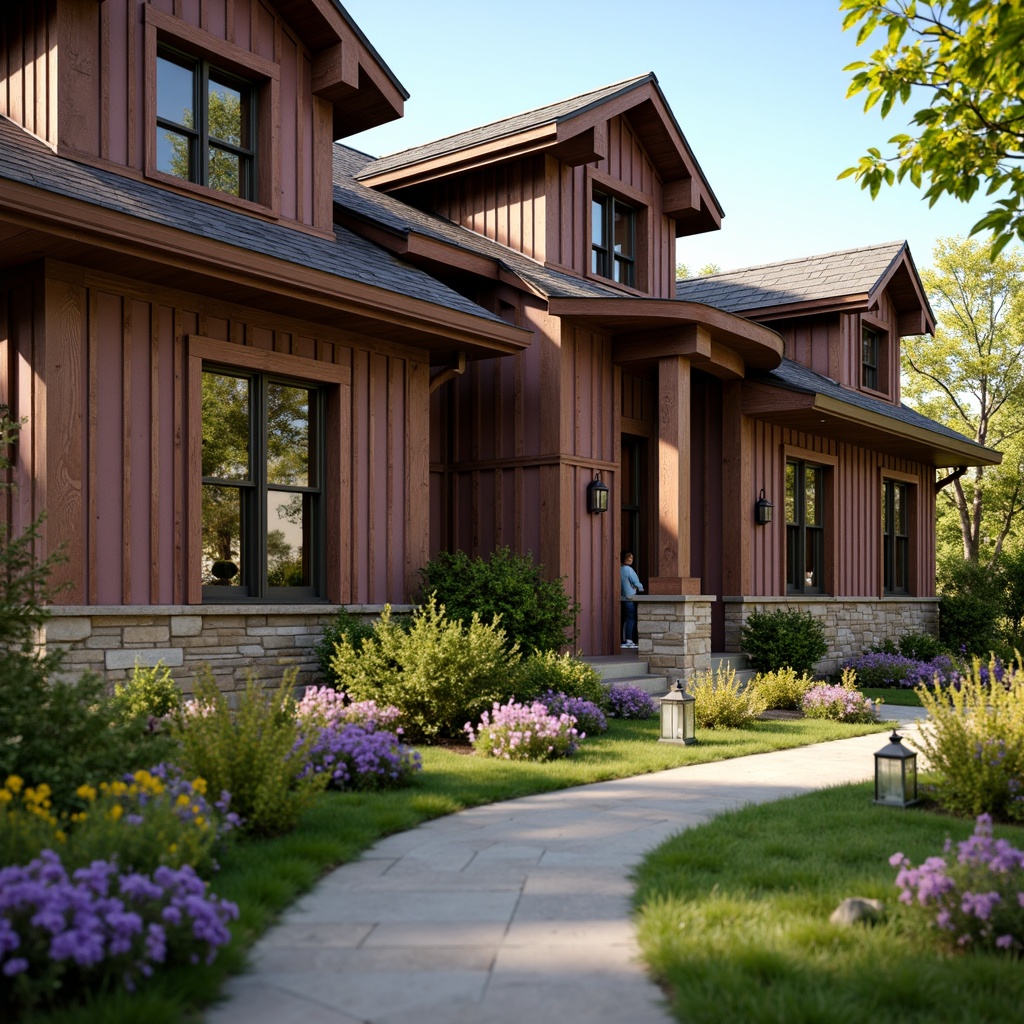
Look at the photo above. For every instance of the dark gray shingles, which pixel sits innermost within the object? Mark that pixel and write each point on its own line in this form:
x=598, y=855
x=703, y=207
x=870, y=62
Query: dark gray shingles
x=25, y=159
x=828, y=276
x=550, y=114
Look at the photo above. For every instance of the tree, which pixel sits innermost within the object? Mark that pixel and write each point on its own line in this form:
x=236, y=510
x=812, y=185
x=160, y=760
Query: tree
x=968, y=55
x=683, y=271
x=971, y=378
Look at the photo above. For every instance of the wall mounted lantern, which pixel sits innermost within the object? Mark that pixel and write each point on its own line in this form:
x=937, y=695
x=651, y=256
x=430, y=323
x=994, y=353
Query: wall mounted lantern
x=895, y=774
x=677, y=716
x=763, y=510
x=597, y=495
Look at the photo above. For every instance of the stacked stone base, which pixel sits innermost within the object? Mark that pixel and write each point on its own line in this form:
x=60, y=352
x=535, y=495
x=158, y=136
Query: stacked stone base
x=851, y=624
x=233, y=641
x=674, y=633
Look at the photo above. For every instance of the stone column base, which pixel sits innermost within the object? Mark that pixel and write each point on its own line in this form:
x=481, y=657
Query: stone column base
x=674, y=632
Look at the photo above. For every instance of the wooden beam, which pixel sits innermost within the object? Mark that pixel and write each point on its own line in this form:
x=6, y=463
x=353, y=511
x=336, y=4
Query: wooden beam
x=672, y=557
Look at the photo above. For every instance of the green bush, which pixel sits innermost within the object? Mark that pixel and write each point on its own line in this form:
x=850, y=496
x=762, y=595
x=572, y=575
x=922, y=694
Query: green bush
x=149, y=693
x=975, y=742
x=972, y=604
x=255, y=752
x=535, y=612
x=783, y=639
x=783, y=689
x=722, y=702
x=346, y=625
x=440, y=674
x=535, y=674
x=921, y=646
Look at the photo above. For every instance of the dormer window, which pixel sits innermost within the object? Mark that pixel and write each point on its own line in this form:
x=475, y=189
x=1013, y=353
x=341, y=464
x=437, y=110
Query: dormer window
x=870, y=352
x=613, y=239
x=206, y=125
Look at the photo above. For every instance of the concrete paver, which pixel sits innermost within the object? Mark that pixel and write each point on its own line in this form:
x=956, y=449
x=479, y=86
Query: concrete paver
x=508, y=913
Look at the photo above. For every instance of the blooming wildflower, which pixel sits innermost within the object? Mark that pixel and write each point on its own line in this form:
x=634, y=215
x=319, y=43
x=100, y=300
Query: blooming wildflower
x=630, y=702
x=524, y=732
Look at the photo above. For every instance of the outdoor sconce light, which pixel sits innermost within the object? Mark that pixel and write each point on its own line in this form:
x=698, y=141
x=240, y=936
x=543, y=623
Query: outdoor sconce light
x=895, y=774
x=677, y=716
x=763, y=510
x=597, y=496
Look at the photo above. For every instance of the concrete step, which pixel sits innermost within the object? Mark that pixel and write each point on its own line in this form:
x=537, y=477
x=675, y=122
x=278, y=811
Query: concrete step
x=738, y=662
x=628, y=669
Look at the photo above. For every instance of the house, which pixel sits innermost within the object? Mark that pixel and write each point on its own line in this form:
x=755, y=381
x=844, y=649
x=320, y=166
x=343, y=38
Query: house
x=264, y=375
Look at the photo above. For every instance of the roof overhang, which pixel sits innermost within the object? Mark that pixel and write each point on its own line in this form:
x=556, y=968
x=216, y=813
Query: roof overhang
x=830, y=417
x=645, y=330
x=38, y=225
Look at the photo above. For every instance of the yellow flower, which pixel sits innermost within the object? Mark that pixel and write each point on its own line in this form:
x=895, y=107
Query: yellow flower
x=173, y=848
x=115, y=812
x=14, y=783
x=86, y=793
x=6, y=796
x=78, y=817
x=199, y=785
x=200, y=821
x=60, y=836
x=183, y=800
x=118, y=788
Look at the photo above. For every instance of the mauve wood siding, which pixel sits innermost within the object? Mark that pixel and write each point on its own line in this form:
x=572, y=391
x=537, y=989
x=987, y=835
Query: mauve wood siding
x=515, y=442
x=75, y=74
x=98, y=368
x=853, y=539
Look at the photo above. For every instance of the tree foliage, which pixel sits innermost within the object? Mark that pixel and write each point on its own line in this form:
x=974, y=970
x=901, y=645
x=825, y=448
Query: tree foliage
x=967, y=58
x=970, y=377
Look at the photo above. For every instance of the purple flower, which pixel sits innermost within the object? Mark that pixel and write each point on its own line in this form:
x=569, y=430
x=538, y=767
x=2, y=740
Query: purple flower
x=524, y=732
x=630, y=702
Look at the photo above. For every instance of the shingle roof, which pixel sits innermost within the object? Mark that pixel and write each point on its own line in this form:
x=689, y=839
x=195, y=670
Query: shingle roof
x=797, y=377
x=383, y=209
x=25, y=159
x=831, y=275
x=550, y=114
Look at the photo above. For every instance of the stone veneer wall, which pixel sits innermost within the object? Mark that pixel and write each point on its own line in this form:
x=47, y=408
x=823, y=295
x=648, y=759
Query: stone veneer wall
x=852, y=624
x=233, y=640
x=674, y=633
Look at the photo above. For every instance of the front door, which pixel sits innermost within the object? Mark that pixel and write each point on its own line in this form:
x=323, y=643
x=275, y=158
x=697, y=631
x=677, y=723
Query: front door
x=635, y=516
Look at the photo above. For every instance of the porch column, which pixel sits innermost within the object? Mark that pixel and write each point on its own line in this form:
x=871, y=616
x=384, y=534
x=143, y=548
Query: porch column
x=672, y=568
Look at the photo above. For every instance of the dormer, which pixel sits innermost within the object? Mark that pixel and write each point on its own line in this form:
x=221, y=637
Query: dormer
x=599, y=185
x=233, y=101
x=841, y=314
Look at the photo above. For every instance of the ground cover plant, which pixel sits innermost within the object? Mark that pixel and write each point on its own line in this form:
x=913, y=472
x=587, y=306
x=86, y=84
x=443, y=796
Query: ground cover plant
x=884, y=669
x=525, y=732
x=839, y=703
x=734, y=920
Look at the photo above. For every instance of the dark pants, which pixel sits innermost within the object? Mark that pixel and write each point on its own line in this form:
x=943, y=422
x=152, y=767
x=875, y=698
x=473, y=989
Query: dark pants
x=629, y=627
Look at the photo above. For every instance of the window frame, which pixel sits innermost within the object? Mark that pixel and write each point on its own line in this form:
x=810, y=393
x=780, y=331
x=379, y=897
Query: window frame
x=166, y=32
x=796, y=553
x=604, y=253
x=890, y=542
x=869, y=360
x=879, y=330
x=333, y=384
x=600, y=184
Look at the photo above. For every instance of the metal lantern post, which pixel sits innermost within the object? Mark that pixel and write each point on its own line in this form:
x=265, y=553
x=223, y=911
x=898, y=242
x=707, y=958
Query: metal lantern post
x=677, y=724
x=895, y=774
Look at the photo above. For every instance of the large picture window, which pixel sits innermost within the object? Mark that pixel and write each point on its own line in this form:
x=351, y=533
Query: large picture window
x=206, y=125
x=805, y=528
x=262, y=516
x=895, y=538
x=613, y=239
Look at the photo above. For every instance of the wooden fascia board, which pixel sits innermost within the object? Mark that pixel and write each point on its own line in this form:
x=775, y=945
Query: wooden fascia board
x=924, y=317
x=762, y=399
x=520, y=144
x=840, y=304
x=69, y=218
x=960, y=453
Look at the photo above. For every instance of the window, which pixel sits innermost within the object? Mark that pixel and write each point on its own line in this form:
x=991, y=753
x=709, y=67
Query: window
x=613, y=239
x=206, y=125
x=805, y=528
x=261, y=487
x=870, y=348
x=895, y=538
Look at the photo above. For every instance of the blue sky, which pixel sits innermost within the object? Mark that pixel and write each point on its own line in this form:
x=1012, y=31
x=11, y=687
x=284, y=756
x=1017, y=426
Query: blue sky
x=756, y=85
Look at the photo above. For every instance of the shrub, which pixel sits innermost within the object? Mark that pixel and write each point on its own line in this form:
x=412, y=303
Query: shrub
x=838, y=703
x=896, y=671
x=975, y=901
x=149, y=693
x=630, y=701
x=524, y=732
x=254, y=752
x=722, y=702
x=347, y=626
x=439, y=674
x=535, y=612
x=921, y=646
x=782, y=689
x=972, y=603
x=783, y=639
x=62, y=938
x=975, y=743
x=538, y=673
x=589, y=717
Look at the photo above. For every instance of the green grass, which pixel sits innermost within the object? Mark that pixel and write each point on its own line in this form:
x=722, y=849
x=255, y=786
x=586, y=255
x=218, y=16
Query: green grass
x=265, y=876
x=892, y=695
x=733, y=920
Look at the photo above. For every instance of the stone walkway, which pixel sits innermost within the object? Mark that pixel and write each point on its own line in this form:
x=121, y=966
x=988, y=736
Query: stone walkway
x=514, y=913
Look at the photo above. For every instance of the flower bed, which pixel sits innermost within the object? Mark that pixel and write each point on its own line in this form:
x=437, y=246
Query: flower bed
x=838, y=703
x=630, y=702
x=524, y=732
x=881, y=670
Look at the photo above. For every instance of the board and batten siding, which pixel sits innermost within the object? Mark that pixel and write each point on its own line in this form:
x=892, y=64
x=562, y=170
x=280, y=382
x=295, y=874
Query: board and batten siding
x=853, y=537
x=99, y=368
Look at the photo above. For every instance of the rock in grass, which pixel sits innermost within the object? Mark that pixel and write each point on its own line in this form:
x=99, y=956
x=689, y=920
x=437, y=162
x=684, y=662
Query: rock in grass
x=857, y=910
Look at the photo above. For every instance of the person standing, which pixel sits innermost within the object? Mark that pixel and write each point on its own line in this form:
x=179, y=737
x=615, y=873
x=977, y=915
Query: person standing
x=629, y=584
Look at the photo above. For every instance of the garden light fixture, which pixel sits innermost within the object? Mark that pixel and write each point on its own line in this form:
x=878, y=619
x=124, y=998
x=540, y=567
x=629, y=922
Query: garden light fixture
x=895, y=774
x=763, y=510
x=597, y=496
x=677, y=716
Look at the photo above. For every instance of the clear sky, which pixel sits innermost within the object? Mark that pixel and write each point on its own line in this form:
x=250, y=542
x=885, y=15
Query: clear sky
x=757, y=87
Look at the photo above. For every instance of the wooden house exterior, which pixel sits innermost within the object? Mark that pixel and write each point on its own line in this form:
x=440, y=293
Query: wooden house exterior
x=264, y=375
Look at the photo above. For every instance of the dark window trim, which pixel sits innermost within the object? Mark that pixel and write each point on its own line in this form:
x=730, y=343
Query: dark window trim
x=893, y=543
x=870, y=348
x=798, y=532
x=603, y=253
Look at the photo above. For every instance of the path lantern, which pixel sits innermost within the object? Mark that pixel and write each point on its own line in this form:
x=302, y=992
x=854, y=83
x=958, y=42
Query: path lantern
x=677, y=716
x=895, y=774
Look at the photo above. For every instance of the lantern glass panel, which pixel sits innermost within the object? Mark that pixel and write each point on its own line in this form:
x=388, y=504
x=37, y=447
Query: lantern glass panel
x=889, y=781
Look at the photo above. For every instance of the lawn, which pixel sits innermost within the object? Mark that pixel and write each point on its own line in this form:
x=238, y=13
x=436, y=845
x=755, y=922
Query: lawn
x=733, y=920
x=265, y=876
x=892, y=695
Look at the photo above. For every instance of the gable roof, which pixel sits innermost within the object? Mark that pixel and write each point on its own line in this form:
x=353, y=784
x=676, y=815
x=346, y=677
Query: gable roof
x=575, y=131
x=849, y=280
